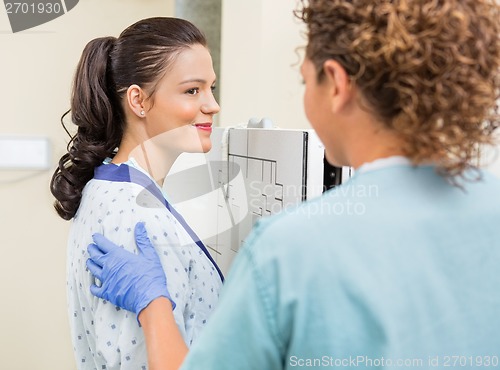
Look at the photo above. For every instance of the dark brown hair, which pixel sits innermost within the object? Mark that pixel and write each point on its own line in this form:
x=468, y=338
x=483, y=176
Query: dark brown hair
x=108, y=66
x=429, y=70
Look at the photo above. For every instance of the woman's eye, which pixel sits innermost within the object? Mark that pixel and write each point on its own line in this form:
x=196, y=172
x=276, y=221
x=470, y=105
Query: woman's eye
x=213, y=87
x=193, y=91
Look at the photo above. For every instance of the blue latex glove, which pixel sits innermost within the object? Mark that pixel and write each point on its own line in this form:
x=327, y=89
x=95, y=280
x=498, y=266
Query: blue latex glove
x=130, y=281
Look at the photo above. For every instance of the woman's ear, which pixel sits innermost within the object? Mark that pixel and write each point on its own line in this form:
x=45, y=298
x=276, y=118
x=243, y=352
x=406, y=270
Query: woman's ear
x=135, y=100
x=339, y=84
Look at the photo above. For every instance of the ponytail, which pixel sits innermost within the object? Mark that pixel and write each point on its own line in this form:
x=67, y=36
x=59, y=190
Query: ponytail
x=96, y=110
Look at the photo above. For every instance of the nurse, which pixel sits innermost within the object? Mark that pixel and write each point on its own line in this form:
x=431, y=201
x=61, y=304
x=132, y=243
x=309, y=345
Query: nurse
x=139, y=101
x=405, y=92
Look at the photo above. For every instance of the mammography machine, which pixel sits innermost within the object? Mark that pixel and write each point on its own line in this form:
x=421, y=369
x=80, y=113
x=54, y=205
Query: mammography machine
x=249, y=173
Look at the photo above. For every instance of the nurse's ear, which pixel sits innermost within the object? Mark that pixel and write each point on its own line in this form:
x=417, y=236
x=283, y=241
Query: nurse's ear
x=339, y=85
x=136, y=98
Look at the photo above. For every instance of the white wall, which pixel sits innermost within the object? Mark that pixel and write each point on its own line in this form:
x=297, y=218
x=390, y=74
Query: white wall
x=259, y=66
x=491, y=160
x=36, y=68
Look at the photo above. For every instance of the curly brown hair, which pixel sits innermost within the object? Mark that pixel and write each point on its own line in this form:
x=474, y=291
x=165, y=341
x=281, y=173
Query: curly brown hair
x=428, y=69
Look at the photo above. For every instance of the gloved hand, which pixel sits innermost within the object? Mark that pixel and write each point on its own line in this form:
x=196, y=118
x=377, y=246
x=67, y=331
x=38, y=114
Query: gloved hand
x=130, y=281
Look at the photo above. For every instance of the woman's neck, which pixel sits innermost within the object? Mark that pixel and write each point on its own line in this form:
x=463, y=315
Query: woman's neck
x=157, y=163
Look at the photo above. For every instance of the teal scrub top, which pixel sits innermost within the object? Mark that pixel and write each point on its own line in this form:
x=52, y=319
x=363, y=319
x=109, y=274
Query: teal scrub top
x=394, y=269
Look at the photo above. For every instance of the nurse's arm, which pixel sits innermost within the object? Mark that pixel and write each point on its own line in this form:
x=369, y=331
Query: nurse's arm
x=165, y=346
x=242, y=332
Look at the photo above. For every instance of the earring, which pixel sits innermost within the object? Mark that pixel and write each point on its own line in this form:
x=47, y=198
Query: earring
x=142, y=113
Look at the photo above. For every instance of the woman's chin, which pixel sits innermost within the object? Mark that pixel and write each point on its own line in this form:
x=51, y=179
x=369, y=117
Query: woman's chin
x=207, y=149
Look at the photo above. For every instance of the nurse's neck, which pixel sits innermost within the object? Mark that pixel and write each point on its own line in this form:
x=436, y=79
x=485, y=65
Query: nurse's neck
x=378, y=144
x=364, y=140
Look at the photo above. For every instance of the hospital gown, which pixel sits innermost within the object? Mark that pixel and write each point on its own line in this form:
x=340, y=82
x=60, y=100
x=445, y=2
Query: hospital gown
x=104, y=336
x=395, y=269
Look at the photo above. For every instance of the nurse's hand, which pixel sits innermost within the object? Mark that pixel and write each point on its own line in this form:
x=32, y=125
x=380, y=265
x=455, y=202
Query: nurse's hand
x=130, y=281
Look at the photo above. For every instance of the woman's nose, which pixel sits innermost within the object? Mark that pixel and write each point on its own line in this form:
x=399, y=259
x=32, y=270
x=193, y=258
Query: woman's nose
x=210, y=106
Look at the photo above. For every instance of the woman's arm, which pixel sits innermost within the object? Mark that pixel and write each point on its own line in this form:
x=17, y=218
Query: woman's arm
x=137, y=283
x=165, y=346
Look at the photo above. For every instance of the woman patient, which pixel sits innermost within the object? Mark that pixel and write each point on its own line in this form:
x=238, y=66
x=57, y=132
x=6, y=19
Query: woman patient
x=138, y=101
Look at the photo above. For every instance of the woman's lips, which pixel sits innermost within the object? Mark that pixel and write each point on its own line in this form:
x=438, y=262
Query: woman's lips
x=203, y=126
